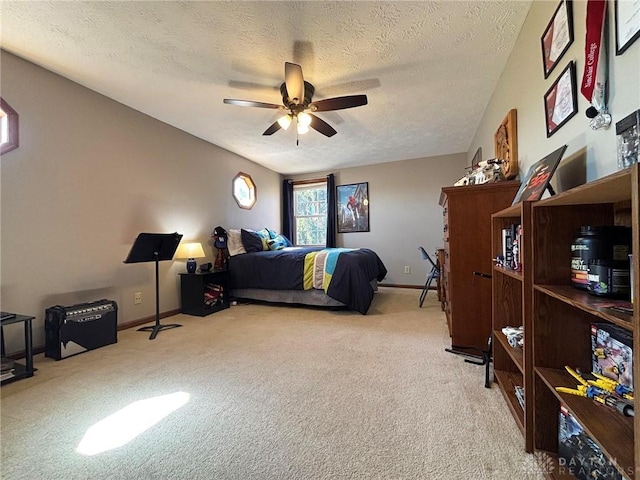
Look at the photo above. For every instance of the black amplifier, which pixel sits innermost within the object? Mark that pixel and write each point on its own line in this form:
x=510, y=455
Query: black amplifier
x=78, y=328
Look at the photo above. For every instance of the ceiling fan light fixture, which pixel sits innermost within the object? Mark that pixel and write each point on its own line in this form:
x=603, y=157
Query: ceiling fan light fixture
x=304, y=119
x=285, y=121
x=297, y=101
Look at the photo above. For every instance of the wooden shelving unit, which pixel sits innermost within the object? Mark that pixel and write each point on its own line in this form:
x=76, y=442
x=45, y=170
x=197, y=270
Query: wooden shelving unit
x=561, y=316
x=511, y=307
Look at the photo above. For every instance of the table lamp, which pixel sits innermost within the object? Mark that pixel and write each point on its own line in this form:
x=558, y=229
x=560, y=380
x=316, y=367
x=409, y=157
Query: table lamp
x=190, y=251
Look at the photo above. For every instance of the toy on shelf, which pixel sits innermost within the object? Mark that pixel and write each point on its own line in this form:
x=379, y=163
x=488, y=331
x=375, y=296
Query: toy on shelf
x=612, y=386
x=515, y=336
x=603, y=391
x=612, y=353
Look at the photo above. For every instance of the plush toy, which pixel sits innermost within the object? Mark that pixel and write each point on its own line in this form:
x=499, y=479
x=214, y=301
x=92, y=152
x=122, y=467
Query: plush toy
x=220, y=242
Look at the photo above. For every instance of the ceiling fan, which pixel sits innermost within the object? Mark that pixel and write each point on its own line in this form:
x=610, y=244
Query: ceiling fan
x=296, y=102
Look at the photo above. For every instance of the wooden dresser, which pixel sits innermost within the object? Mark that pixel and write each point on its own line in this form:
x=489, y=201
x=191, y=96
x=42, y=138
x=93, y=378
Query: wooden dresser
x=467, y=249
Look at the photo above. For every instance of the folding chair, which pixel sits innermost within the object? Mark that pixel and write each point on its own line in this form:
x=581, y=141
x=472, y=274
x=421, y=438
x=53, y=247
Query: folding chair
x=434, y=273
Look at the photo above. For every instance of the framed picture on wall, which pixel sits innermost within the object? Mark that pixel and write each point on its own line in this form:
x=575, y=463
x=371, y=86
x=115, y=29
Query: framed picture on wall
x=353, y=207
x=557, y=37
x=627, y=24
x=561, y=100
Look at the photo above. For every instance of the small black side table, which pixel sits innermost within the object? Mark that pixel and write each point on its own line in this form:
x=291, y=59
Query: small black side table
x=192, y=292
x=20, y=370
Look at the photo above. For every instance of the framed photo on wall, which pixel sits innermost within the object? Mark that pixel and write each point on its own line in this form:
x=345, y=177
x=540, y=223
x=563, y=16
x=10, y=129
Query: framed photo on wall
x=627, y=24
x=353, y=207
x=557, y=37
x=561, y=100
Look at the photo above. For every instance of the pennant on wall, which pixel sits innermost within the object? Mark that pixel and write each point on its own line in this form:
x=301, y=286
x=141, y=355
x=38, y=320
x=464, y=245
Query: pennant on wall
x=594, y=77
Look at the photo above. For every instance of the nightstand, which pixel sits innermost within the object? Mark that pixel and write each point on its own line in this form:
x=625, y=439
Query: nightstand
x=204, y=293
x=20, y=370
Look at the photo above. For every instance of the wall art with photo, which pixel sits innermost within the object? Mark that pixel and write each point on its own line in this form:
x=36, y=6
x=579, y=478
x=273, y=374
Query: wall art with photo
x=353, y=207
x=557, y=37
x=561, y=100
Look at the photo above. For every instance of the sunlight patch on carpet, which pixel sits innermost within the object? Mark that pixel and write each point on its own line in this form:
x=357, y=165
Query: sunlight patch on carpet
x=129, y=422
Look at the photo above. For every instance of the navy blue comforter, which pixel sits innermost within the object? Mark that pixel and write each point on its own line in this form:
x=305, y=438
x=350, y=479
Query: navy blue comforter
x=285, y=269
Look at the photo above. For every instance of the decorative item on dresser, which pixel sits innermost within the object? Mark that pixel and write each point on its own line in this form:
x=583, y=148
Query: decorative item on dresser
x=467, y=243
x=505, y=142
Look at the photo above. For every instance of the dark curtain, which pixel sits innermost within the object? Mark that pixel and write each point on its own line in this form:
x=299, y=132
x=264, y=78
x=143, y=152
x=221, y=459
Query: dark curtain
x=287, y=210
x=331, y=210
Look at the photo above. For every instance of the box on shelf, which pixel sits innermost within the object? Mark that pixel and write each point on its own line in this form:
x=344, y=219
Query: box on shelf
x=628, y=139
x=612, y=352
x=578, y=454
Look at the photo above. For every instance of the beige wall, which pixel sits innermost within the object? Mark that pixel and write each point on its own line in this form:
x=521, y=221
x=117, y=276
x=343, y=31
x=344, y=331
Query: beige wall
x=591, y=154
x=404, y=211
x=90, y=174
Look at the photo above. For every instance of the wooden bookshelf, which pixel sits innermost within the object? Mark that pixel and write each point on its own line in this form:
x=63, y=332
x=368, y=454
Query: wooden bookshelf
x=561, y=317
x=511, y=307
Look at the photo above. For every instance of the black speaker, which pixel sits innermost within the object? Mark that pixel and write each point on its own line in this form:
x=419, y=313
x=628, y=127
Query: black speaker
x=205, y=267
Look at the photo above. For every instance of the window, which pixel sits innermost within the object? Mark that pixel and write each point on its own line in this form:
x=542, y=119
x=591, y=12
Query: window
x=8, y=128
x=244, y=191
x=310, y=213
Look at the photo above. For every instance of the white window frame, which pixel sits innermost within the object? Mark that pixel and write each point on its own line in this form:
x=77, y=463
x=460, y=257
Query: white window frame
x=302, y=186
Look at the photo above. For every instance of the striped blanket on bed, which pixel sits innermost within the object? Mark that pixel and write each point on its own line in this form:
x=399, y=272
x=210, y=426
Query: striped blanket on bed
x=319, y=267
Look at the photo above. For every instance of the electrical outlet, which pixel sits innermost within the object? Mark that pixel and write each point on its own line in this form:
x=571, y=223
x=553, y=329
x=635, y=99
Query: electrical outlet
x=137, y=298
x=407, y=269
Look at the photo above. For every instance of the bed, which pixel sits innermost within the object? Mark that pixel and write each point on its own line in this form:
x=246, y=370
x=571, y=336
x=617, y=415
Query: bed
x=334, y=277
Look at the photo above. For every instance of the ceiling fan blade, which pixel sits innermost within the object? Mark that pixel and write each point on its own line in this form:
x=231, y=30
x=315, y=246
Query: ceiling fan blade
x=338, y=103
x=322, y=126
x=249, y=103
x=294, y=81
x=275, y=126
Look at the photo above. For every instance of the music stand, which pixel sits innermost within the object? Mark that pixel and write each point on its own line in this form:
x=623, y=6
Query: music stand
x=154, y=247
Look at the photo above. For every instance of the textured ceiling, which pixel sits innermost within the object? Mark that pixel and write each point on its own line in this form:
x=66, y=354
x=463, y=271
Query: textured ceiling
x=428, y=68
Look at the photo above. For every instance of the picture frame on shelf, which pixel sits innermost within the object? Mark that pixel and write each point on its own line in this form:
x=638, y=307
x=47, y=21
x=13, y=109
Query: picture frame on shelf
x=557, y=36
x=353, y=207
x=561, y=100
x=627, y=18
x=538, y=177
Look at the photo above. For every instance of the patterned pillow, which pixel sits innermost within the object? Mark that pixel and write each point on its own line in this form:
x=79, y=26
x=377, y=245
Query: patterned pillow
x=252, y=241
x=272, y=233
x=234, y=243
x=278, y=243
x=265, y=235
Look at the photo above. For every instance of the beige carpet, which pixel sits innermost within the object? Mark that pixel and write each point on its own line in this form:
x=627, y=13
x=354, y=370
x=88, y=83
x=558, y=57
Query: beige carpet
x=271, y=393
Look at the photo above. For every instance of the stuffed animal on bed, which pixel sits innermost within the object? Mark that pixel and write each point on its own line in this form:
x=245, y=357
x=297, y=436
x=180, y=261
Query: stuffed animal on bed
x=220, y=242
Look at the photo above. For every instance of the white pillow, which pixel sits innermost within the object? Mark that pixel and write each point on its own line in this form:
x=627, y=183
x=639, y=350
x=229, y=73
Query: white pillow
x=234, y=242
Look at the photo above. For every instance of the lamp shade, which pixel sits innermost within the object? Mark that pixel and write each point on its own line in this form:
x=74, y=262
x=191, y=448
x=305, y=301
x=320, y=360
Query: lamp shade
x=190, y=250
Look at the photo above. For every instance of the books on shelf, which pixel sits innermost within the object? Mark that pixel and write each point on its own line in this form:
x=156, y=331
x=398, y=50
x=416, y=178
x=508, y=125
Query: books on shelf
x=213, y=294
x=7, y=369
x=511, y=243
